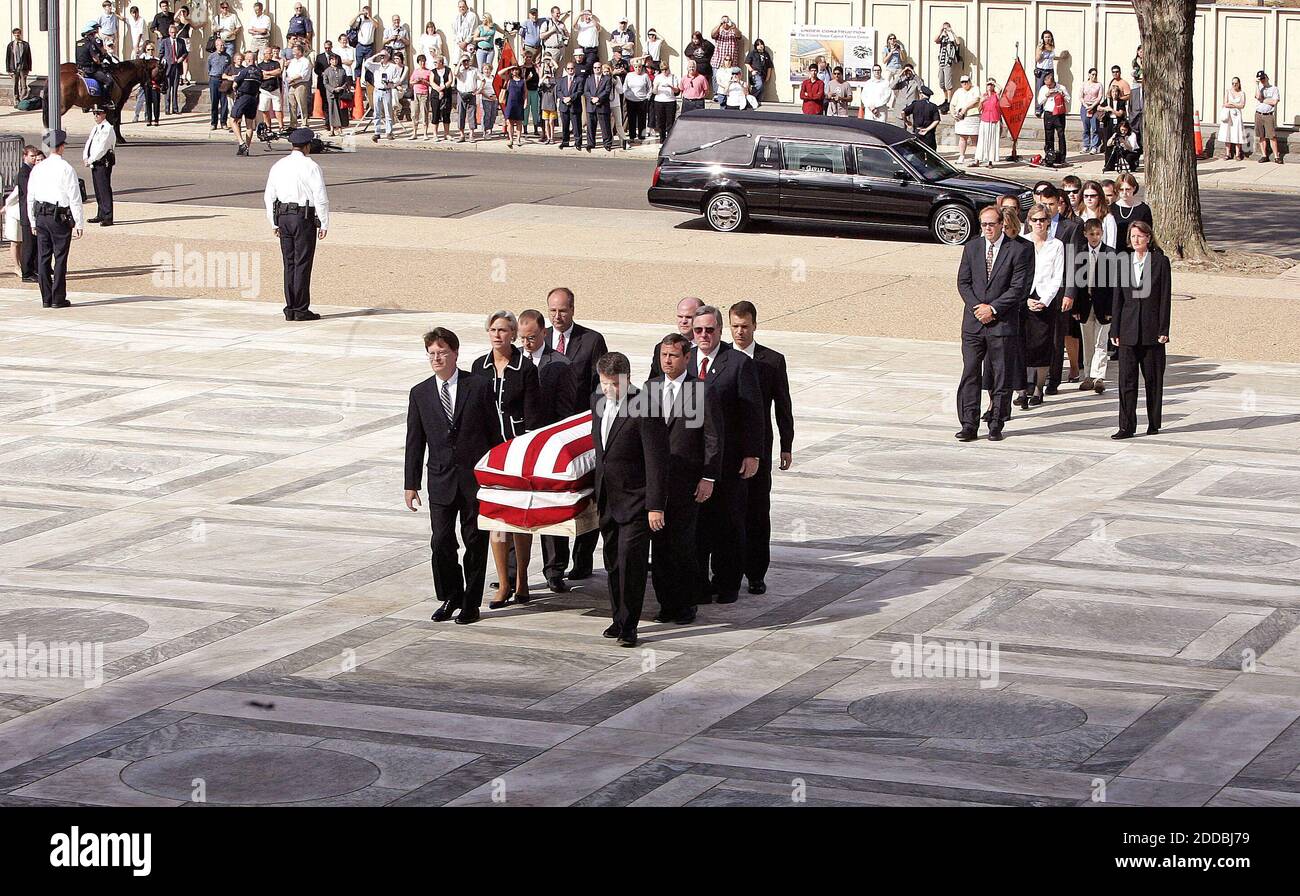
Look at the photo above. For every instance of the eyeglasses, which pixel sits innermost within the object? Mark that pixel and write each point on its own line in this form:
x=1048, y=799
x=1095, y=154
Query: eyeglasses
x=705, y=329
x=990, y=223
x=1039, y=220
x=438, y=356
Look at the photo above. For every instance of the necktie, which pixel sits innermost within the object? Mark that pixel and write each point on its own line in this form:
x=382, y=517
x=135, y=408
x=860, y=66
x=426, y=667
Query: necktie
x=607, y=422
x=988, y=263
x=446, y=400
x=704, y=367
x=559, y=345
x=670, y=395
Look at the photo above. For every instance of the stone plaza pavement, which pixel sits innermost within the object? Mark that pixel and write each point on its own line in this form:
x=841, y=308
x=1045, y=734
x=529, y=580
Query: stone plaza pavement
x=214, y=496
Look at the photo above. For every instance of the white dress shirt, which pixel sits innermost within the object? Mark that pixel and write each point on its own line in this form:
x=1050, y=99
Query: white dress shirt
x=1139, y=264
x=1108, y=231
x=296, y=179
x=298, y=70
x=54, y=180
x=452, y=384
x=997, y=247
x=607, y=419
x=99, y=144
x=672, y=388
x=1049, y=270
x=749, y=349
x=535, y=357
x=555, y=338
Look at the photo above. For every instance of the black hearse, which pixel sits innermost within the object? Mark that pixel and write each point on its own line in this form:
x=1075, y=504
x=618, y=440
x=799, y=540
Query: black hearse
x=734, y=166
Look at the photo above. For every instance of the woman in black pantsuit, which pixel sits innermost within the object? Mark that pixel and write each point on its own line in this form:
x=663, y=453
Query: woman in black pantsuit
x=1140, y=327
x=519, y=407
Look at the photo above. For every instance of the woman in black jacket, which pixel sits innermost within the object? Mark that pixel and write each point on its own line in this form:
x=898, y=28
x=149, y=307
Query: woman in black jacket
x=519, y=409
x=1139, y=326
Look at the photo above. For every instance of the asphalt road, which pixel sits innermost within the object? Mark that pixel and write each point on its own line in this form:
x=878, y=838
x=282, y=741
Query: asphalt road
x=453, y=184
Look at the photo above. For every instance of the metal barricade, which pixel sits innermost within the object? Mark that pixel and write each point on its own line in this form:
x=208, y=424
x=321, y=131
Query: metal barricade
x=11, y=159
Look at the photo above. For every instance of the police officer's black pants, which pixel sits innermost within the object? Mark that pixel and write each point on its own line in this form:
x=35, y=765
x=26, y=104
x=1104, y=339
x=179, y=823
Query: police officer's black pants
x=102, y=176
x=298, y=249
x=53, y=238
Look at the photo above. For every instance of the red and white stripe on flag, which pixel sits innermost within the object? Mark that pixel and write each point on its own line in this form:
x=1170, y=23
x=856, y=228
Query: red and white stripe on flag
x=555, y=458
x=529, y=510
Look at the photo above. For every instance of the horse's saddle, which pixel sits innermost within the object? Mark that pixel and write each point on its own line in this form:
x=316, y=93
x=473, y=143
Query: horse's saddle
x=93, y=87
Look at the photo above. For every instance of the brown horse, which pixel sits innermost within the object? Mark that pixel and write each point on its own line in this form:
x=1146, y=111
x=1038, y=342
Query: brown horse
x=126, y=75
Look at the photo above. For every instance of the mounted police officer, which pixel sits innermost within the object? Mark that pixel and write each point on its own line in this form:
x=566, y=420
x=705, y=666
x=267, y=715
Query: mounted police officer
x=299, y=210
x=93, y=62
x=54, y=208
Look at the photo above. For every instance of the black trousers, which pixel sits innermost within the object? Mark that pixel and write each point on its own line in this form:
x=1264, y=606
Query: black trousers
x=627, y=559
x=636, y=119
x=53, y=239
x=594, y=115
x=720, y=535
x=1150, y=359
x=101, y=175
x=298, y=250
x=27, y=251
x=555, y=553
x=461, y=583
x=664, y=115
x=975, y=348
x=570, y=120
x=676, y=581
x=1058, y=345
x=758, y=522
x=1054, y=138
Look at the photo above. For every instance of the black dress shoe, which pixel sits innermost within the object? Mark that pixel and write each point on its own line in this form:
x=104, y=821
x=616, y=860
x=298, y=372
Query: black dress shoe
x=557, y=584
x=685, y=617
x=966, y=435
x=1152, y=430
x=578, y=574
x=1051, y=390
x=995, y=435
x=94, y=220
x=729, y=597
x=108, y=223
x=467, y=616
x=1122, y=435
x=664, y=616
x=759, y=587
x=306, y=315
x=444, y=611
x=46, y=305
x=611, y=632
x=1023, y=402
x=523, y=598
x=1035, y=400
x=63, y=304
x=288, y=315
x=627, y=640
x=31, y=279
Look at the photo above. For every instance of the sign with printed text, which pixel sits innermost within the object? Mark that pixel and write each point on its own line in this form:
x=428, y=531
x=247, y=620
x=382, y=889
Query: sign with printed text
x=853, y=48
x=1017, y=96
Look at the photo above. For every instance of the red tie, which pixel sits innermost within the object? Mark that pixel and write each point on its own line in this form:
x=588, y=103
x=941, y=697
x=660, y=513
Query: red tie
x=559, y=346
x=704, y=367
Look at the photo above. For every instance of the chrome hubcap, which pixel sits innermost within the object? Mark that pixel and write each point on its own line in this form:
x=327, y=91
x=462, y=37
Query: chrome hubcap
x=953, y=227
x=724, y=213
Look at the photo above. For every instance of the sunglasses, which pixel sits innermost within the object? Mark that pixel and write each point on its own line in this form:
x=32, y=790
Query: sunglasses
x=1091, y=195
x=705, y=329
x=1039, y=220
x=990, y=223
x=1071, y=192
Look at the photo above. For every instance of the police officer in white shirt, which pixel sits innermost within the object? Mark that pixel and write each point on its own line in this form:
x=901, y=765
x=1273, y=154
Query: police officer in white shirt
x=54, y=208
x=100, y=158
x=299, y=210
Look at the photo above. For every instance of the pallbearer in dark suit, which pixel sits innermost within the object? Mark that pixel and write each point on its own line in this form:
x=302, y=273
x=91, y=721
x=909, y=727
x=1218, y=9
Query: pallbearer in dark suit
x=991, y=281
x=583, y=348
x=733, y=378
x=775, y=384
x=693, y=420
x=557, y=390
x=453, y=417
x=631, y=470
x=517, y=392
x=1140, y=327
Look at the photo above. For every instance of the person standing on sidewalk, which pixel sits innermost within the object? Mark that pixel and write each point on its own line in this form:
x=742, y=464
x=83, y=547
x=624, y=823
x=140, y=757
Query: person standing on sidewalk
x=299, y=209
x=218, y=64
x=175, y=53
x=1054, y=100
x=99, y=157
x=54, y=208
x=1267, y=98
x=18, y=63
x=32, y=156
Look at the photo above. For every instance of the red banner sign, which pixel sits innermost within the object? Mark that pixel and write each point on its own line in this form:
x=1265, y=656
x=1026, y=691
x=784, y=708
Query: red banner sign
x=1017, y=97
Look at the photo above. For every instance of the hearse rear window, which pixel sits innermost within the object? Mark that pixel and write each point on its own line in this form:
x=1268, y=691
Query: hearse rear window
x=711, y=143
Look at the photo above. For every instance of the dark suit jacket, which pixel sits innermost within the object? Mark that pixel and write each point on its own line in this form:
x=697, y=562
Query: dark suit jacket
x=568, y=88
x=453, y=449
x=24, y=174
x=18, y=58
x=520, y=398
x=694, y=451
x=1013, y=270
x=556, y=382
x=775, y=383
x=1142, y=315
x=598, y=94
x=583, y=350
x=182, y=50
x=632, y=470
x=734, y=379
x=1095, y=295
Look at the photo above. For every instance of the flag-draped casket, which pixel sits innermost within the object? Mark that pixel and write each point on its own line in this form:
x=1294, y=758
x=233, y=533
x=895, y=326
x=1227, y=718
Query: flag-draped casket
x=541, y=481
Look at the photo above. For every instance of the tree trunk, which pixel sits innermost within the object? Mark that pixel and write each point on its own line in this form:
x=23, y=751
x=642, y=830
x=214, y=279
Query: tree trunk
x=1167, y=28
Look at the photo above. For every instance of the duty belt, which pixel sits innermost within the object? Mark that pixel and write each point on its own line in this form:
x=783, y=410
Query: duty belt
x=50, y=208
x=293, y=208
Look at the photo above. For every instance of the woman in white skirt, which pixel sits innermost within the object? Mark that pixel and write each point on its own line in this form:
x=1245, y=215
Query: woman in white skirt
x=986, y=150
x=13, y=229
x=965, y=107
x=1231, y=132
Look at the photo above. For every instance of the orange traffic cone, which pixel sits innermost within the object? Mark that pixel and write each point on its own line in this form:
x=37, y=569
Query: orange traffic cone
x=317, y=107
x=862, y=111
x=359, y=100
x=1196, y=127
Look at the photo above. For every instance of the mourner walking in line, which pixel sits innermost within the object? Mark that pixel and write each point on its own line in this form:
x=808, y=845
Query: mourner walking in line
x=32, y=156
x=299, y=210
x=1140, y=328
x=99, y=156
x=54, y=208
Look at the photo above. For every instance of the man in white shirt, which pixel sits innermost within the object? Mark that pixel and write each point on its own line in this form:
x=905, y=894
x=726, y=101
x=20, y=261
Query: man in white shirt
x=135, y=28
x=99, y=157
x=299, y=209
x=1267, y=97
x=463, y=29
x=54, y=208
x=226, y=25
x=877, y=95
x=1054, y=100
x=297, y=76
x=555, y=35
x=259, y=29
x=468, y=82
x=108, y=20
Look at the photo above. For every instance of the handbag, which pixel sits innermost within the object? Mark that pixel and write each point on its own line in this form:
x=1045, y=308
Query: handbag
x=1225, y=116
x=211, y=45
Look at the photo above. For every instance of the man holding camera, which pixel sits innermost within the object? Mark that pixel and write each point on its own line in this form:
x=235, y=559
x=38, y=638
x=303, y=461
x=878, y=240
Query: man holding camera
x=299, y=209
x=1267, y=97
